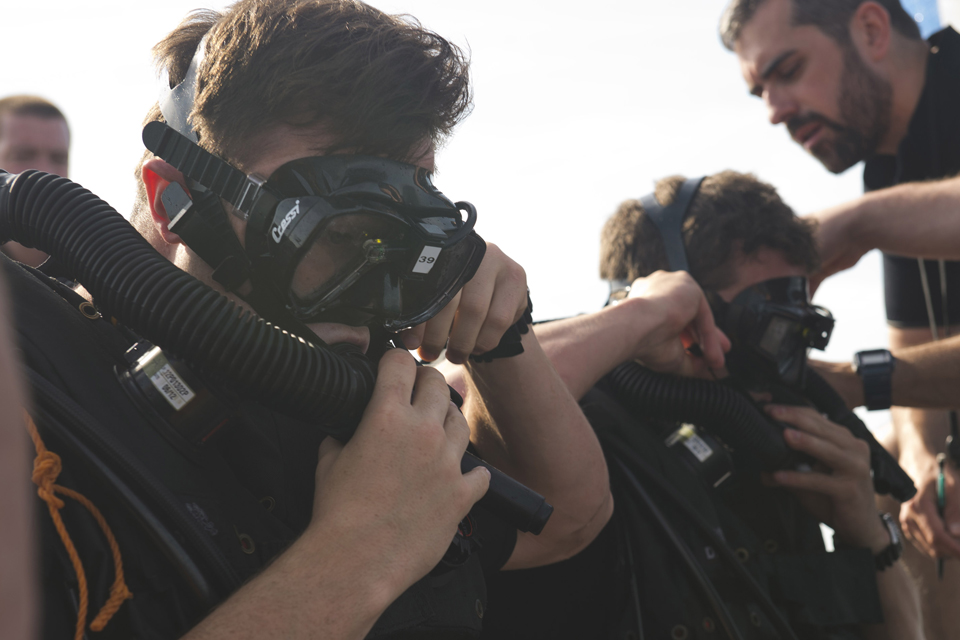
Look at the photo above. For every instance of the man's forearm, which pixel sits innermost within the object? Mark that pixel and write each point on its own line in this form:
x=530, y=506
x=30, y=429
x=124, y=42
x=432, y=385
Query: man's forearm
x=585, y=348
x=526, y=423
x=317, y=588
x=918, y=219
x=926, y=376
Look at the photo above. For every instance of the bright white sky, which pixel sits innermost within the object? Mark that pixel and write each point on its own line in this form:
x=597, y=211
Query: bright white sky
x=578, y=106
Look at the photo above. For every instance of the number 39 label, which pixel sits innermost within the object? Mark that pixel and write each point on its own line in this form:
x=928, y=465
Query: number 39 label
x=428, y=257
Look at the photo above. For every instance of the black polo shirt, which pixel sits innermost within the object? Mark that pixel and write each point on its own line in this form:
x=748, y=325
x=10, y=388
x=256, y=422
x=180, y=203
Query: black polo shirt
x=930, y=150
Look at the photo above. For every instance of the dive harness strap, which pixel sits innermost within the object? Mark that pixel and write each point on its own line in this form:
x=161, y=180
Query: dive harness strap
x=669, y=221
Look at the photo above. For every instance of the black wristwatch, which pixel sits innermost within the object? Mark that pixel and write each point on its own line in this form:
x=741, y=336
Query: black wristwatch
x=894, y=550
x=875, y=368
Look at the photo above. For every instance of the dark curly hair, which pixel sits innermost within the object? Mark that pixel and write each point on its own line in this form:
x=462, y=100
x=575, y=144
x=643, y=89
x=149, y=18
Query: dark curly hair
x=732, y=214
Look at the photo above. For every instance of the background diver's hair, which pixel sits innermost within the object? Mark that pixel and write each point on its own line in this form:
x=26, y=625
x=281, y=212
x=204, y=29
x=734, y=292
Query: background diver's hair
x=830, y=16
x=27, y=105
x=377, y=84
x=732, y=212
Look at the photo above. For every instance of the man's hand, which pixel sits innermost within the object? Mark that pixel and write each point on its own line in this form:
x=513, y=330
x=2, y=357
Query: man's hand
x=839, y=492
x=919, y=518
x=395, y=490
x=685, y=320
x=837, y=241
x=476, y=319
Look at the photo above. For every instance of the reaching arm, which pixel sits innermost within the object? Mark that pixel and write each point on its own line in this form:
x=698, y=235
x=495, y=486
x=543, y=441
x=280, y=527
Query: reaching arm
x=917, y=219
x=526, y=423
x=399, y=473
x=522, y=418
x=926, y=376
x=664, y=315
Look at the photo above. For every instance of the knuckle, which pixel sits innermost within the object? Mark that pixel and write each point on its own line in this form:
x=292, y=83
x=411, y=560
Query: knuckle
x=861, y=448
x=472, y=305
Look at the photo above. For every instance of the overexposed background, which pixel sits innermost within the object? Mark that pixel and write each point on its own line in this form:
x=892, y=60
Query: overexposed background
x=578, y=106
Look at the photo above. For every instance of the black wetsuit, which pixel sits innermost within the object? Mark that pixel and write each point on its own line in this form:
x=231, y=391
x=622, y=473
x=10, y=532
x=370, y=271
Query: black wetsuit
x=191, y=528
x=930, y=150
x=592, y=595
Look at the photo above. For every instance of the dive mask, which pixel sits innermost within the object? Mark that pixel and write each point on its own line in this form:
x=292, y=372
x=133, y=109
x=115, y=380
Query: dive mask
x=771, y=326
x=359, y=239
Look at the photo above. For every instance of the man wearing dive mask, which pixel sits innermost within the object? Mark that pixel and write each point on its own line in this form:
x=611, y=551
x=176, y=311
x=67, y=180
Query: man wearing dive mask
x=697, y=508
x=309, y=201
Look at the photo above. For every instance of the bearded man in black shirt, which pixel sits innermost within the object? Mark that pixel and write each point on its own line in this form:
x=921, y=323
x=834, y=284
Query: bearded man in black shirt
x=854, y=81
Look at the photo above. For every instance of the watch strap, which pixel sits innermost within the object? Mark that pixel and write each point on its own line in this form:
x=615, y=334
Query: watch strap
x=894, y=550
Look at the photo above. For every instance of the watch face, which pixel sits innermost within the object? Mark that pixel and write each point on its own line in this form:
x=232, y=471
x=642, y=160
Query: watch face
x=871, y=358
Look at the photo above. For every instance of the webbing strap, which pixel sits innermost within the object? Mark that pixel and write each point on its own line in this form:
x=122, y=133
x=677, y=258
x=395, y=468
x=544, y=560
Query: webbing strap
x=669, y=221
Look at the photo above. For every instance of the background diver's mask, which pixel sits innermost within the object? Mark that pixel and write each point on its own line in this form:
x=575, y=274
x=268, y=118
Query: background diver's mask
x=771, y=325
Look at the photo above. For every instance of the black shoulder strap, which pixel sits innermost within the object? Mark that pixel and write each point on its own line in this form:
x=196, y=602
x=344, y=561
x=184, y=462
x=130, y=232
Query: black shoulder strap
x=669, y=221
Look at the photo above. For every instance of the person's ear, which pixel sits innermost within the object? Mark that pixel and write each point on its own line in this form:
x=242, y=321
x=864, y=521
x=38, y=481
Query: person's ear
x=157, y=176
x=870, y=30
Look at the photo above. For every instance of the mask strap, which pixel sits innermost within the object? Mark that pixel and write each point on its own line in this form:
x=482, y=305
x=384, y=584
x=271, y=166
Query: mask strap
x=669, y=221
x=177, y=103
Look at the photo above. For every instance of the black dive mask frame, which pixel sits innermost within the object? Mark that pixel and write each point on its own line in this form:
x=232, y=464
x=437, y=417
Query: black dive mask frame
x=390, y=281
x=771, y=325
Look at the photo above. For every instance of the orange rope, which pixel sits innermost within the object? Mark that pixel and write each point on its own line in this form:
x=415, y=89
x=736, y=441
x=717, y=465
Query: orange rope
x=46, y=468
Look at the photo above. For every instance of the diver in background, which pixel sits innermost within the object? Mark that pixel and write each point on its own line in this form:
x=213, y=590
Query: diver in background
x=670, y=563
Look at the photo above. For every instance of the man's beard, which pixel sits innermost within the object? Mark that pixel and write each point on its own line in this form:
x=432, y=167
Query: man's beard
x=865, y=102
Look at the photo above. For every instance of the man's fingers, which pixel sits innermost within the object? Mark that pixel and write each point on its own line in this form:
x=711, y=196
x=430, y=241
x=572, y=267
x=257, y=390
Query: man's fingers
x=806, y=481
x=437, y=329
x=916, y=536
x=412, y=338
x=478, y=482
x=475, y=301
x=827, y=452
x=430, y=392
x=506, y=307
x=922, y=513
x=458, y=432
x=808, y=420
x=710, y=335
x=831, y=444
x=395, y=378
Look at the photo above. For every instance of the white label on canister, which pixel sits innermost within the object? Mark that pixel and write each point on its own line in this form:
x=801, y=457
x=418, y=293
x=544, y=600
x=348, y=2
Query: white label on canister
x=172, y=387
x=428, y=257
x=698, y=447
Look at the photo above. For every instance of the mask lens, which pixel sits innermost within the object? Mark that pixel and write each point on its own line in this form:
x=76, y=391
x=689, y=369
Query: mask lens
x=342, y=248
x=780, y=336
